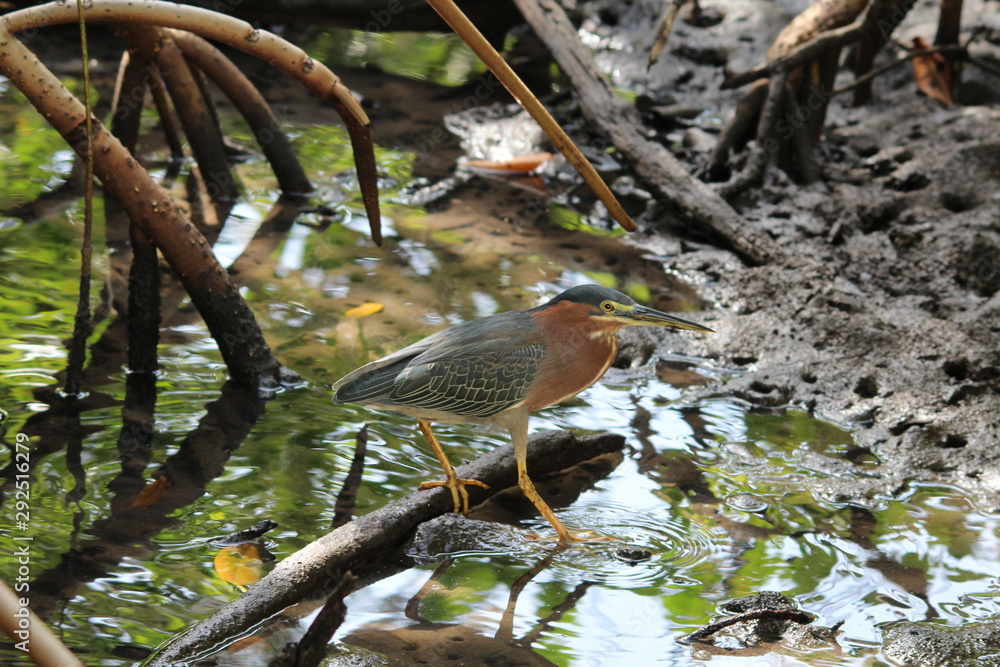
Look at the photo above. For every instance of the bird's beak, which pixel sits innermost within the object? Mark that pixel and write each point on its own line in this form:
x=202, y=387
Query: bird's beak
x=644, y=315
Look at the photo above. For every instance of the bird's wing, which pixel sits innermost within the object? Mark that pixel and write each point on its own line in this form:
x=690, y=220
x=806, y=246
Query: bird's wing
x=372, y=382
x=474, y=369
x=471, y=385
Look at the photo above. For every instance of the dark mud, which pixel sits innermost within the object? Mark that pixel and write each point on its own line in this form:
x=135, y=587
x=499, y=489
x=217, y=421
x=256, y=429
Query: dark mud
x=885, y=311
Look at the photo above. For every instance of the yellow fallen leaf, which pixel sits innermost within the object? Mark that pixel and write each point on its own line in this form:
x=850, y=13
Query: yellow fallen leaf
x=239, y=564
x=365, y=309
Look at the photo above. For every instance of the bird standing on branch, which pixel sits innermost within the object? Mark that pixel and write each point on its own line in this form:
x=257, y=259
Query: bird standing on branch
x=499, y=369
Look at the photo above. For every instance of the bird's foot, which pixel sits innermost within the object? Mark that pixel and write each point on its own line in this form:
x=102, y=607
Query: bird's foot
x=587, y=536
x=458, y=492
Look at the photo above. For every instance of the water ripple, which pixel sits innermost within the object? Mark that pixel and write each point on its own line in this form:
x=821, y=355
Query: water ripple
x=650, y=547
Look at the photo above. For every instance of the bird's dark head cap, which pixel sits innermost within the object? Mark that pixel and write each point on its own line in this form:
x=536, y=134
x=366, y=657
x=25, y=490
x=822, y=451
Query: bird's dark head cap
x=591, y=295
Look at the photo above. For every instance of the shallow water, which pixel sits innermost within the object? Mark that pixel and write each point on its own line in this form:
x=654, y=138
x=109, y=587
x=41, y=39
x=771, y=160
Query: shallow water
x=718, y=492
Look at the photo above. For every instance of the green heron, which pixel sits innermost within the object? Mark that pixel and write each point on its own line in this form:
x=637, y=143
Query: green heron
x=499, y=369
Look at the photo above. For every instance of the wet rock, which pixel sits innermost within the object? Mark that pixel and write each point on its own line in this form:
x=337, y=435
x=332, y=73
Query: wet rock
x=765, y=618
x=762, y=600
x=454, y=533
x=932, y=645
x=746, y=502
x=633, y=555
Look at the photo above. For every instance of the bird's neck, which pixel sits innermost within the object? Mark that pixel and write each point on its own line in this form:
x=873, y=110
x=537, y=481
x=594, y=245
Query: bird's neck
x=577, y=355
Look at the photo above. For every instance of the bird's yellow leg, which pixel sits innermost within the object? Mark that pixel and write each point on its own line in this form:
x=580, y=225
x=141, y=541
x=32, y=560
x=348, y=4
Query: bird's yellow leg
x=528, y=488
x=519, y=436
x=454, y=483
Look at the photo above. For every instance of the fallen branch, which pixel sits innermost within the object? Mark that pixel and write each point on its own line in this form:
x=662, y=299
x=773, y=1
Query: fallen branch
x=322, y=562
x=618, y=120
x=796, y=615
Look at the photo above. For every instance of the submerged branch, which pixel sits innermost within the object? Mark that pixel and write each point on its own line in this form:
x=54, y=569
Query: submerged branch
x=324, y=561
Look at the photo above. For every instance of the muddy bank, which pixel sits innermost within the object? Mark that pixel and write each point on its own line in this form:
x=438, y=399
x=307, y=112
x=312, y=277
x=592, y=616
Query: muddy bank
x=884, y=312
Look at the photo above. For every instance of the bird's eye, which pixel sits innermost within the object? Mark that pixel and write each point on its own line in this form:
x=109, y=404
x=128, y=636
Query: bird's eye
x=607, y=306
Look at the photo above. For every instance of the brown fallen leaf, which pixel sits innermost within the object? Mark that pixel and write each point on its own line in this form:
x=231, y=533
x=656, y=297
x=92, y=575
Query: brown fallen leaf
x=529, y=182
x=522, y=164
x=150, y=493
x=365, y=309
x=933, y=73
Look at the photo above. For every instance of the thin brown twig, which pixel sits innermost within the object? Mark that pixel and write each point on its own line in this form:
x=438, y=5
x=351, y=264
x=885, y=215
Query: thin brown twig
x=81, y=322
x=464, y=28
x=619, y=123
x=665, y=26
x=861, y=80
x=796, y=615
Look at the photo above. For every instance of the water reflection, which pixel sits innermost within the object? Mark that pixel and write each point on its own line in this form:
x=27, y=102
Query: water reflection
x=428, y=642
